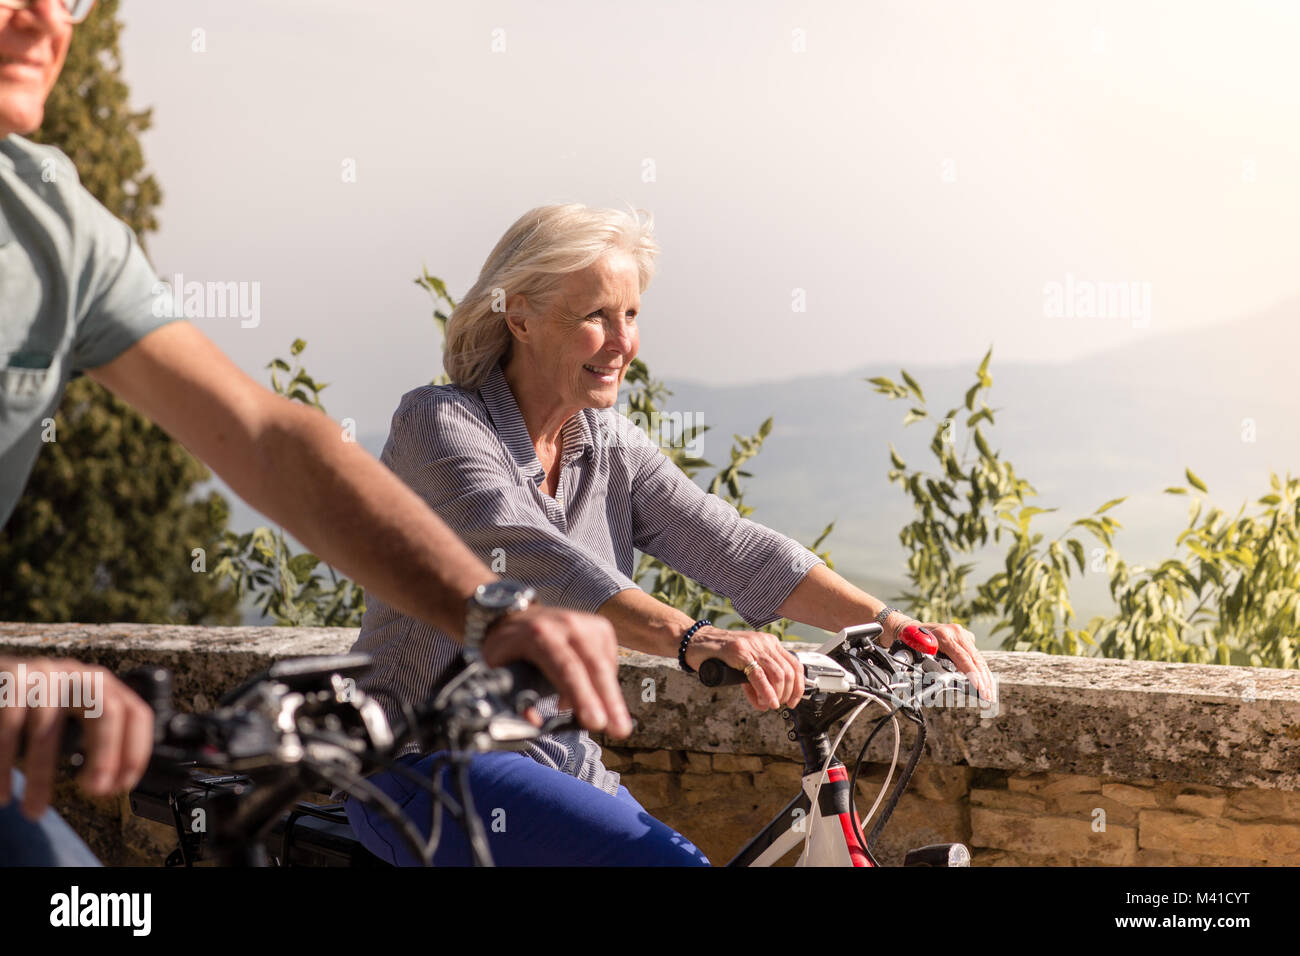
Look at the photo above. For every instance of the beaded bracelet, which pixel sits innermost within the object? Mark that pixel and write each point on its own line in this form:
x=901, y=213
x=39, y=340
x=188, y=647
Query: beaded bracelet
x=681, y=651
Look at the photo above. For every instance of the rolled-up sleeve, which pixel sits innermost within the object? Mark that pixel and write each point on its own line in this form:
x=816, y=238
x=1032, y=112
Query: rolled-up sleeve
x=705, y=538
x=449, y=455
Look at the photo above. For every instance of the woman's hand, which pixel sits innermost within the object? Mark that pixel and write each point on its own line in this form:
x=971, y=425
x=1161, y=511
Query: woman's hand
x=776, y=682
x=959, y=644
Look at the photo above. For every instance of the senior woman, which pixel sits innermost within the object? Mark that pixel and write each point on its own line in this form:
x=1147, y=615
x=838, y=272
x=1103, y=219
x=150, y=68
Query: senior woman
x=526, y=459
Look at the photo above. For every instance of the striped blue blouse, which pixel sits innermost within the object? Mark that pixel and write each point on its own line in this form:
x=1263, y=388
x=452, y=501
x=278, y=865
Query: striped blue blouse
x=469, y=455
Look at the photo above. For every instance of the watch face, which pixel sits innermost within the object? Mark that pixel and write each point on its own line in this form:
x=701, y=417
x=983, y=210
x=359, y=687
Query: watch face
x=500, y=595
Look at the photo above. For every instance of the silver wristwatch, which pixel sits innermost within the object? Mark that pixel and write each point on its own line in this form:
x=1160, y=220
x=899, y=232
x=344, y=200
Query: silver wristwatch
x=491, y=602
x=884, y=615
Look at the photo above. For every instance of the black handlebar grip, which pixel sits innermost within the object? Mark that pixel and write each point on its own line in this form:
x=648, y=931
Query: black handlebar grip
x=153, y=685
x=717, y=673
x=526, y=678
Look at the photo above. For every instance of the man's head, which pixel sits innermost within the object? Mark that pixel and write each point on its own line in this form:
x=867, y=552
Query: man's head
x=34, y=38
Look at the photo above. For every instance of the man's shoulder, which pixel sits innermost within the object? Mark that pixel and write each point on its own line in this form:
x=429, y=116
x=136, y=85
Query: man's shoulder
x=47, y=164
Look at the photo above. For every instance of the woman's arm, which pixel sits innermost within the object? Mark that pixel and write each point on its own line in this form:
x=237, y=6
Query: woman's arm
x=824, y=599
x=765, y=574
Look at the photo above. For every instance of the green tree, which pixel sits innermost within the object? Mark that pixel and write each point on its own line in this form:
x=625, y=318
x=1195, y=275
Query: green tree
x=108, y=525
x=1231, y=596
x=292, y=589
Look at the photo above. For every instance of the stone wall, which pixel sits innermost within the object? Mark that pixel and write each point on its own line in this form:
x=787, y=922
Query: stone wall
x=1083, y=762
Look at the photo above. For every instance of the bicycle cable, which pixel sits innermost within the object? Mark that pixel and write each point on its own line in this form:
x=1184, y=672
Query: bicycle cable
x=816, y=795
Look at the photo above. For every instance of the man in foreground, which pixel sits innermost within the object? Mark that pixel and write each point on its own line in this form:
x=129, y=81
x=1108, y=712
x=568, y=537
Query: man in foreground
x=77, y=295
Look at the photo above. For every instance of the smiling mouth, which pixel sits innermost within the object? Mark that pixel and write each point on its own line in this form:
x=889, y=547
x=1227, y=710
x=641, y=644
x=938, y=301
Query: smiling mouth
x=20, y=61
x=604, y=371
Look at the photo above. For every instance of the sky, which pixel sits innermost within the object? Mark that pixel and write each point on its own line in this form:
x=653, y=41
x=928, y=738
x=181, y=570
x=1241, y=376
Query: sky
x=833, y=184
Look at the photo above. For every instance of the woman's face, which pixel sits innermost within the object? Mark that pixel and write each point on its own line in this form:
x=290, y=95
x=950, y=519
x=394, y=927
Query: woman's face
x=589, y=336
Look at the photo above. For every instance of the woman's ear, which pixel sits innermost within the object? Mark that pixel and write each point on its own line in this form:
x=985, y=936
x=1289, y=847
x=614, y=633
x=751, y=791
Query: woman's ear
x=519, y=317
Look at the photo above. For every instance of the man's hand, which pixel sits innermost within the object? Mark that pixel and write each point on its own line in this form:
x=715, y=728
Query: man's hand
x=577, y=653
x=116, y=743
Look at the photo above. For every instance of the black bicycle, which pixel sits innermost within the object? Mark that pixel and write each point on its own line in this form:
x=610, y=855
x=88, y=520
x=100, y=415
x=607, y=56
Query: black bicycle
x=232, y=782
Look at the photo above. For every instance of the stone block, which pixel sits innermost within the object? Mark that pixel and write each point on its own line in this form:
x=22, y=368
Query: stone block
x=1063, y=840
x=693, y=762
x=1255, y=804
x=657, y=759
x=1205, y=836
x=652, y=790
x=1130, y=796
x=616, y=760
x=1016, y=800
x=1083, y=804
x=940, y=782
x=780, y=774
x=1201, y=805
x=737, y=763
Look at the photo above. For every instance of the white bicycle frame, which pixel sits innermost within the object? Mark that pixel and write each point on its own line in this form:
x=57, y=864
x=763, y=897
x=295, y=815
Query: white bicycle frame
x=827, y=837
x=822, y=817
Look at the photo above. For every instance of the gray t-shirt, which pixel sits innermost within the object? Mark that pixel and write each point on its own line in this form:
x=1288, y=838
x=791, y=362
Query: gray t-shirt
x=75, y=292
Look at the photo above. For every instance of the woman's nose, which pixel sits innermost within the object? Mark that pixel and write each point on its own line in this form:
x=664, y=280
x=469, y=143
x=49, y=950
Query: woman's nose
x=619, y=335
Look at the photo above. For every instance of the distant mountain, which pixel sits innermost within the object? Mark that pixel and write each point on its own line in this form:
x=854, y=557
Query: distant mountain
x=1126, y=421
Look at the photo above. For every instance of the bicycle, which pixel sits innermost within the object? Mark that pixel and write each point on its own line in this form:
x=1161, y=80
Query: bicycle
x=843, y=677
x=304, y=727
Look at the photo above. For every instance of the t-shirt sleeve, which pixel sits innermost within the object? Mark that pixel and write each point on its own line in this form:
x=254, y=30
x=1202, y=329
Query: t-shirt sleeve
x=119, y=299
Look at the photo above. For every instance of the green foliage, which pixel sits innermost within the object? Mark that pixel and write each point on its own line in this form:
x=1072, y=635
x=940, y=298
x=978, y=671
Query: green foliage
x=105, y=528
x=293, y=589
x=105, y=531
x=443, y=306
x=1233, y=596
x=88, y=116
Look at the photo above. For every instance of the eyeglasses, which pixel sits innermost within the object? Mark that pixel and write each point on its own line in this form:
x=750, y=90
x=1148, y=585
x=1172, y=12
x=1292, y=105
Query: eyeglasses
x=74, y=11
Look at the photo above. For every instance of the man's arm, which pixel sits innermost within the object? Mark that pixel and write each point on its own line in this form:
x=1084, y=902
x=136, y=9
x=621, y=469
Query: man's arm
x=291, y=462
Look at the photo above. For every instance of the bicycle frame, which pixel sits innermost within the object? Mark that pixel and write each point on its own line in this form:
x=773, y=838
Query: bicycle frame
x=827, y=829
x=822, y=816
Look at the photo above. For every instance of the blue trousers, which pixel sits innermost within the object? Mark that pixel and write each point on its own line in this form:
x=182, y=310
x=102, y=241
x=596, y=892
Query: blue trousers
x=48, y=841
x=532, y=816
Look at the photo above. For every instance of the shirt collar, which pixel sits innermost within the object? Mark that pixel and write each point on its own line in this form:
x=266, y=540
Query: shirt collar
x=510, y=427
